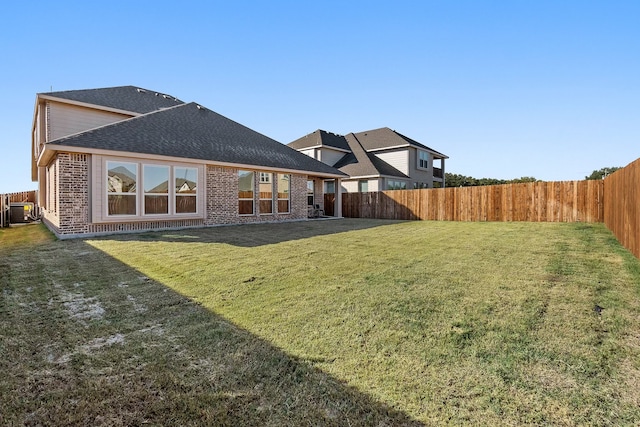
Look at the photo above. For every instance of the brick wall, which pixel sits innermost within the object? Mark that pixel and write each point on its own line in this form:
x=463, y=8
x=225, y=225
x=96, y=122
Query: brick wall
x=73, y=192
x=68, y=213
x=222, y=199
x=222, y=195
x=299, y=196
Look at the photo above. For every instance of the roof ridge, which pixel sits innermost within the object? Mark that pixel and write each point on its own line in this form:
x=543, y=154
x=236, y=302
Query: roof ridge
x=361, y=148
x=127, y=99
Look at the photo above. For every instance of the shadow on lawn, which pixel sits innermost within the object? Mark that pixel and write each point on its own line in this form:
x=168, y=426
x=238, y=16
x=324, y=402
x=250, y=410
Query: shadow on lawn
x=253, y=235
x=173, y=363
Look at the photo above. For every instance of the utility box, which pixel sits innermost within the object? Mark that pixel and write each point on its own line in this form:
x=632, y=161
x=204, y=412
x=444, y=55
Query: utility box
x=21, y=212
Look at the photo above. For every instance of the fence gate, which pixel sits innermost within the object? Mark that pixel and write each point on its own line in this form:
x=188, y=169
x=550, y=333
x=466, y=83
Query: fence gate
x=4, y=210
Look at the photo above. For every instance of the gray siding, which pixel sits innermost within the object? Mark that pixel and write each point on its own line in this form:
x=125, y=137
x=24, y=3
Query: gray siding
x=65, y=120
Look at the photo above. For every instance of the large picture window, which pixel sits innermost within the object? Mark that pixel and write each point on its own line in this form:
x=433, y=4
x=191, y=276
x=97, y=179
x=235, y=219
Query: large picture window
x=245, y=192
x=266, y=193
x=122, y=187
x=156, y=189
x=284, y=192
x=186, y=188
x=142, y=190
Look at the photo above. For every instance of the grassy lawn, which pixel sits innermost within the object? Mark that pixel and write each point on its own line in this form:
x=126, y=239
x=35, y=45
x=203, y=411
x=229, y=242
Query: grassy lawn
x=351, y=322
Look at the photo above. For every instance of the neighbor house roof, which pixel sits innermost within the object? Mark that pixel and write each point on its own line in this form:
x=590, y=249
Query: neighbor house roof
x=320, y=137
x=360, y=163
x=383, y=138
x=125, y=98
x=194, y=132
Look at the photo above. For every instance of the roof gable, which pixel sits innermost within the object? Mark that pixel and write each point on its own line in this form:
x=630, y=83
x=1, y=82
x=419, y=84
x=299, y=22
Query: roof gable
x=125, y=98
x=193, y=132
x=320, y=137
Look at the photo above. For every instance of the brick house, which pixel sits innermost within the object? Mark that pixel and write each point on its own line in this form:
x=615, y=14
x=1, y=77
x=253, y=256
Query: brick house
x=375, y=160
x=127, y=159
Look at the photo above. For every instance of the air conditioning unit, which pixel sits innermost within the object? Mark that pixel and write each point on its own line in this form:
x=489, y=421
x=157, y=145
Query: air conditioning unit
x=21, y=212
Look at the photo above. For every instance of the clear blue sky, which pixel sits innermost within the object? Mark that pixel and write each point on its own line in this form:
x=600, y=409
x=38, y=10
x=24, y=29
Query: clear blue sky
x=549, y=89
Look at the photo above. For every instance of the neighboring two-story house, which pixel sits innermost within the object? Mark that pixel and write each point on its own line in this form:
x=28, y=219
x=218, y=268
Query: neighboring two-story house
x=375, y=160
x=127, y=159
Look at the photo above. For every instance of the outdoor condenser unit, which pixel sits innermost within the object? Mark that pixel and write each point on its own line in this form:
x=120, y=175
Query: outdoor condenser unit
x=21, y=212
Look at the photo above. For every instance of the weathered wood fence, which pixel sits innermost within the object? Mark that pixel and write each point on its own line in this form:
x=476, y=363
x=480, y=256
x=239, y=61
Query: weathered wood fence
x=622, y=207
x=566, y=201
x=23, y=196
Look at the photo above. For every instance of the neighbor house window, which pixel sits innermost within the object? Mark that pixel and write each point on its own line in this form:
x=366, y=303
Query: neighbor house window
x=245, y=192
x=396, y=185
x=186, y=187
x=363, y=186
x=284, y=189
x=423, y=160
x=266, y=193
x=310, y=191
x=156, y=189
x=122, y=180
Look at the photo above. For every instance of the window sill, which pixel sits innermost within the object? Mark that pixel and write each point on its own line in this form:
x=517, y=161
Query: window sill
x=137, y=218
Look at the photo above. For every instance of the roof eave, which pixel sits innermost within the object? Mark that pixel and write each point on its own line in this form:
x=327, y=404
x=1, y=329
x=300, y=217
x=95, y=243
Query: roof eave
x=51, y=148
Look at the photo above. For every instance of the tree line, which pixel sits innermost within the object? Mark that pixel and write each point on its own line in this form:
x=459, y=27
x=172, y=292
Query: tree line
x=458, y=180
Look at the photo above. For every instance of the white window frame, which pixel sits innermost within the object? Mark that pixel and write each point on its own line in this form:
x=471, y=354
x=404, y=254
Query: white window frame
x=421, y=160
x=265, y=178
x=288, y=198
x=176, y=193
x=145, y=194
x=253, y=198
x=100, y=199
x=115, y=193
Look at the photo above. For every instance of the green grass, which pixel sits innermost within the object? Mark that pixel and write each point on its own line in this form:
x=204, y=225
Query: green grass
x=351, y=322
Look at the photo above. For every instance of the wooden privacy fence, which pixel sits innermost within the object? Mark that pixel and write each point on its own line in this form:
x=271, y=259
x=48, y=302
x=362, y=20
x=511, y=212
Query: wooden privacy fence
x=566, y=201
x=23, y=196
x=622, y=207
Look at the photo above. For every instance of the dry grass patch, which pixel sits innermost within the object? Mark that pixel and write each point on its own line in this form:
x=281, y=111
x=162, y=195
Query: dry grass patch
x=88, y=340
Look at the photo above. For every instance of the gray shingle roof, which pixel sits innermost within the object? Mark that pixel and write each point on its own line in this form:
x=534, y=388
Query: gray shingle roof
x=360, y=163
x=190, y=131
x=384, y=137
x=127, y=98
x=320, y=137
